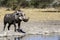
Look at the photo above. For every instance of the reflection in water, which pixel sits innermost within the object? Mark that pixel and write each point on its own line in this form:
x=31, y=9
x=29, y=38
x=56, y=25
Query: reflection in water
x=12, y=38
x=17, y=38
x=32, y=37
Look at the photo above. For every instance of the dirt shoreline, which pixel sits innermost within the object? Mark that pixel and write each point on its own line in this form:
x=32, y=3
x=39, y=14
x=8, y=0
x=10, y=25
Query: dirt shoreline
x=46, y=27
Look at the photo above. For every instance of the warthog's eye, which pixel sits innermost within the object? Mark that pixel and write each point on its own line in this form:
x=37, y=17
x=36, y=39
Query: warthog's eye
x=17, y=14
x=21, y=15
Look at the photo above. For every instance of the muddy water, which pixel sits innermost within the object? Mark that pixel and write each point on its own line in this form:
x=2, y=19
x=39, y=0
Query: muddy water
x=32, y=37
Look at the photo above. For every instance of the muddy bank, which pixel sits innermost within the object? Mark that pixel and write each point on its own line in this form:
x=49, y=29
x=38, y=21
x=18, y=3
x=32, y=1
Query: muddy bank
x=45, y=27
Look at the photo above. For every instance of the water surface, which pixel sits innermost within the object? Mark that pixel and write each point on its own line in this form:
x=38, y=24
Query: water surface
x=31, y=37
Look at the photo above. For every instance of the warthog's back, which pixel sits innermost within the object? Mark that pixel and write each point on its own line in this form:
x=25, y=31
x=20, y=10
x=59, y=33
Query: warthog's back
x=9, y=18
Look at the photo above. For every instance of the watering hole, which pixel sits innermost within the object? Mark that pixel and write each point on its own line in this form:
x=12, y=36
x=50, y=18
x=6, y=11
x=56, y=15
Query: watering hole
x=32, y=37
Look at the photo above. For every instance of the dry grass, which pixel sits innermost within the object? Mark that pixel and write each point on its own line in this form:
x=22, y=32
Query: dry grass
x=37, y=15
x=3, y=12
x=34, y=14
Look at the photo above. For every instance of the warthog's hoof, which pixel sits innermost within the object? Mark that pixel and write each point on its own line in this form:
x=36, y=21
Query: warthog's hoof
x=20, y=30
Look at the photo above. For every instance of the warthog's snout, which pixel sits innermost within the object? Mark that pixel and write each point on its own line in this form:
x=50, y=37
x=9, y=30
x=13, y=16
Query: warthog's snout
x=26, y=19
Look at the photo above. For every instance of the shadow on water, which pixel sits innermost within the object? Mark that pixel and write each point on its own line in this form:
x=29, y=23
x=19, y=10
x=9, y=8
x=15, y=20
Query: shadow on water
x=32, y=37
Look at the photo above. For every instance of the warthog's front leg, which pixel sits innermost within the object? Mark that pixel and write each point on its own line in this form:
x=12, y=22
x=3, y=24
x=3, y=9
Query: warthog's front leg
x=19, y=23
x=15, y=27
x=19, y=29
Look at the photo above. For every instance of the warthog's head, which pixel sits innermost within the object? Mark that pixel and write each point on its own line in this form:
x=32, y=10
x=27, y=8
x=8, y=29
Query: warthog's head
x=22, y=16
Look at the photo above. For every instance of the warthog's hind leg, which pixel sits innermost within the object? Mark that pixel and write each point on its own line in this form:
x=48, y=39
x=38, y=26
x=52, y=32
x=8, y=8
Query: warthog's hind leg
x=9, y=26
x=4, y=26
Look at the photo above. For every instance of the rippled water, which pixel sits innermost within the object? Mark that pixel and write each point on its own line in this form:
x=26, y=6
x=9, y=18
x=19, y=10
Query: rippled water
x=32, y=37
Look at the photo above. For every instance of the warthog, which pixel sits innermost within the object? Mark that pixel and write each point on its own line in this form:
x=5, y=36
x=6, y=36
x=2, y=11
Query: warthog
x=15, y=18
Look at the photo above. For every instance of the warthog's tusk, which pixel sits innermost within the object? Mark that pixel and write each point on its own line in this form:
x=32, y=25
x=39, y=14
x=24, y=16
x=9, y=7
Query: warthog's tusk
x=20, y=18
